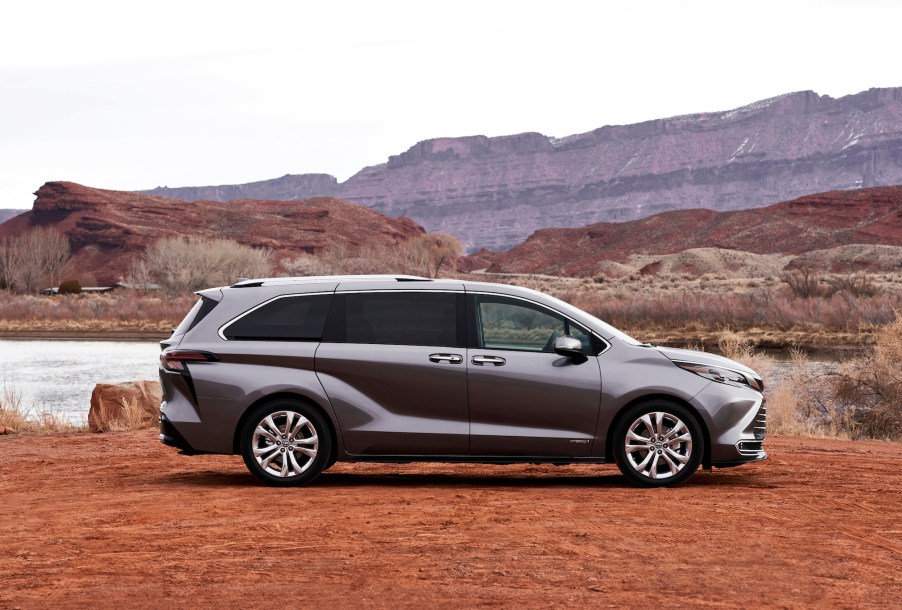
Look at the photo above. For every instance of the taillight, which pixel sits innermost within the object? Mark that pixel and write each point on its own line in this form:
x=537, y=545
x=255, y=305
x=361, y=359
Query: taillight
x=175, y=361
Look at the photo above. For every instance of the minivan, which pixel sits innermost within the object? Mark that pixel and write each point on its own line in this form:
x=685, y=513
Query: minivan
x=296, y=374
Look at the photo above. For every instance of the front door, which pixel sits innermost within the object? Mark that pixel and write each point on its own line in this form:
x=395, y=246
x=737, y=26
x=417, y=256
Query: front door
x=525, y=400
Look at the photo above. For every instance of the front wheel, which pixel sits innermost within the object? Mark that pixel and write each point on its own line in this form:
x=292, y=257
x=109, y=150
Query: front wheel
x=658, y=443
x=286, y=443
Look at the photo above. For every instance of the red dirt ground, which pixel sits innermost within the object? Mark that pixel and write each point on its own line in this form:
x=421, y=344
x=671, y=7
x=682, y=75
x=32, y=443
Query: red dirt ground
x=117, y=520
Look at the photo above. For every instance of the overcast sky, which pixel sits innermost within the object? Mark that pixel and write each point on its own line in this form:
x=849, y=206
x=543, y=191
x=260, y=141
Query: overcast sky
x=128, y=95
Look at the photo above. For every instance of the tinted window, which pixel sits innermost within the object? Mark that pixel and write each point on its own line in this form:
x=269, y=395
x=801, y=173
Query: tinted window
x=517, y=325
x=197, y=313
x=396, y=318
x=295, y=318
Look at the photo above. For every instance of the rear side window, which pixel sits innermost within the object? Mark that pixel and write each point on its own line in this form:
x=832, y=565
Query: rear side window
x=197, y=313
x=289, y=318
x=397, y=318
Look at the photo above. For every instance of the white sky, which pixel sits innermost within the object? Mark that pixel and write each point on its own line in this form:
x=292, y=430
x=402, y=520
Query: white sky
x=131, y=95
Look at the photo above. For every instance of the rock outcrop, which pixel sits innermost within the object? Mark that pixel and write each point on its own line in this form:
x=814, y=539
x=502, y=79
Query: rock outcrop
x=110, y=401
x=495, y=192
x=107, y=230
x=817, y=222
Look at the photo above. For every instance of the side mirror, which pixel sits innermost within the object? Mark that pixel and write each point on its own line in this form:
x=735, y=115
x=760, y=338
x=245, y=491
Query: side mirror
x=571, y=347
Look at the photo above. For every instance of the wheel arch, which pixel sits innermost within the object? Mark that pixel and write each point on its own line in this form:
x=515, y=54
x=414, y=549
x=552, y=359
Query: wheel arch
x=236, y=438
x=609, y=435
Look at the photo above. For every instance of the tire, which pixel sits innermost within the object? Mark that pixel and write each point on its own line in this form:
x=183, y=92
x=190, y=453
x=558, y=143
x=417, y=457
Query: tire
x=666, y=460
x=286, y=443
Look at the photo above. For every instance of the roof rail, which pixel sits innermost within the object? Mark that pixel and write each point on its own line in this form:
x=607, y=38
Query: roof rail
x=281, y=281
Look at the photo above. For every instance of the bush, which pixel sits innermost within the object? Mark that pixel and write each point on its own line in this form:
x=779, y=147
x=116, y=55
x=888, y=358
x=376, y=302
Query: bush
x=805, y=283
x=183, y=265
x=870, y=387
x=70, y=287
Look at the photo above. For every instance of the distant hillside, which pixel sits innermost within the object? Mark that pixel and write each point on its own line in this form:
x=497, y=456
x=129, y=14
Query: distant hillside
x=7, y=214
x=495, y=192
x=813, y=223
x=108, y=229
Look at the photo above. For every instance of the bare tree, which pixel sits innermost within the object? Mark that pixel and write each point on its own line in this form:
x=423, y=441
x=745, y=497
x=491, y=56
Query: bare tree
x=434, y=250
x=187, y=264
x=56, y=253
x=41, y=252
x=9, y=261
x=139, y=275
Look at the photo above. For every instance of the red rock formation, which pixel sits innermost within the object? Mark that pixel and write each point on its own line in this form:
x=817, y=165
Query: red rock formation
x=108, y=400
x=815, y=222
x=109, y=229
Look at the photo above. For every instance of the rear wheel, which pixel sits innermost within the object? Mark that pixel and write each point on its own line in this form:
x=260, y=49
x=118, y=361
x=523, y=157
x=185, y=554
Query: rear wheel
x=658, y=443
x=286, y=443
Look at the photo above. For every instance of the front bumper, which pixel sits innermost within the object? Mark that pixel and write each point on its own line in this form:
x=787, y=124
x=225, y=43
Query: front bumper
x=736, y=418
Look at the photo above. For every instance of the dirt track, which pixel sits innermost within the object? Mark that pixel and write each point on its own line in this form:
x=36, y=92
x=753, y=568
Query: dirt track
x=110, y=521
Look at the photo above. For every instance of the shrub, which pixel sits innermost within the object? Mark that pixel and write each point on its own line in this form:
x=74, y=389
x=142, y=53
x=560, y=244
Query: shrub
x=183, y=265
x=858, y=284
x=870, y=387
x=805, y=283
x=70, y=287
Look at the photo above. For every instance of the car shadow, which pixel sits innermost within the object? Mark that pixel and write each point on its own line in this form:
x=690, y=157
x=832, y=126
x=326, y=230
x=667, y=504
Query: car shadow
x=212, y=478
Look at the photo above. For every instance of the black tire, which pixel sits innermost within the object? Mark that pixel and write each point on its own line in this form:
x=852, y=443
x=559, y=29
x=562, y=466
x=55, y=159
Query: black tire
x=284, y=453
x=640, y=465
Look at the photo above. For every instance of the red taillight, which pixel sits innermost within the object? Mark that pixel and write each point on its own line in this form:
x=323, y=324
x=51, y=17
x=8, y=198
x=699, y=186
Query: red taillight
x=175, y=361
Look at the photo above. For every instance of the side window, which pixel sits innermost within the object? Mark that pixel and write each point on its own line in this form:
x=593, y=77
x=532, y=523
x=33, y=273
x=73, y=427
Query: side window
x=396, y=318
x=511, y=324
x=290, y=318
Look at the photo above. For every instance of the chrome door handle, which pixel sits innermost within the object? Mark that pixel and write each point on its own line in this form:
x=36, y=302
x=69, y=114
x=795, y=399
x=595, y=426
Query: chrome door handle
x=496, y=360
x=450, y=358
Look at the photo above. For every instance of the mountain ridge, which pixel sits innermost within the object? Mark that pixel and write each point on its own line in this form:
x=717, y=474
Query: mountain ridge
x=812, y=223
x=495, y=191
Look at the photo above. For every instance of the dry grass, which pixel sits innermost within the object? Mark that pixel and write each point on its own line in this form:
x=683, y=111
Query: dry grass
x=132, y=311
x=131, y=416
x=16, y=419
x=862, y=398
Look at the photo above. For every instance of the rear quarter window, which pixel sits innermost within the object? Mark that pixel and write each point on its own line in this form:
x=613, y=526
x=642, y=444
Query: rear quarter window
x=200, y=310
x=286, y=318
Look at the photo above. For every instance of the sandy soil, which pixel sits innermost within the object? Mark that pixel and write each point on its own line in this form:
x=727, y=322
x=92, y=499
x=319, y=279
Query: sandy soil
x=117, y=520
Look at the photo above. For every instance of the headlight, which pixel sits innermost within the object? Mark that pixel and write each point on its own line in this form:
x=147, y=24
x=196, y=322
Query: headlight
x=722, y=375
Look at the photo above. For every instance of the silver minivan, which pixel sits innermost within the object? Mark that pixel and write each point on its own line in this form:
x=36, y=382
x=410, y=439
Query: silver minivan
x=298, y=373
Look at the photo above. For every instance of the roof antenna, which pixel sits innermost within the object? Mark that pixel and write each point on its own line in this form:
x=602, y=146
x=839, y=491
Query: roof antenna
x=242, y=279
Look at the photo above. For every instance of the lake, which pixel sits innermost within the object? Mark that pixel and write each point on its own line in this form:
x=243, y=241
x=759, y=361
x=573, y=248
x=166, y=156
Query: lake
x=59, y=376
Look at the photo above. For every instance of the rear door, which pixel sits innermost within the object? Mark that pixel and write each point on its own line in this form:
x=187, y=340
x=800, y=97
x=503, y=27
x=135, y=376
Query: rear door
x=392, y=363
x=525, y=400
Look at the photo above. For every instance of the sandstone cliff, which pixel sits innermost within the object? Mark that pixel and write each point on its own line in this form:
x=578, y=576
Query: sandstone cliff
x=494, y=192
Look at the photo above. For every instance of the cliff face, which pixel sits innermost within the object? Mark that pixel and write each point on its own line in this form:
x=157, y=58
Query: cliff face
x=494, y=192
x=816, y=222
x=109, y=229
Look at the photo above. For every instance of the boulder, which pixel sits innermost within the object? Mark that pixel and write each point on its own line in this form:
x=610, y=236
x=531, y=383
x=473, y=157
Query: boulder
x=111, y=404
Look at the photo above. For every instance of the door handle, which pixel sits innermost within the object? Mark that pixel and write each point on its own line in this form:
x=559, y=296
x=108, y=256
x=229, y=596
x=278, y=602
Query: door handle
x=496, y=360
x=450, y=358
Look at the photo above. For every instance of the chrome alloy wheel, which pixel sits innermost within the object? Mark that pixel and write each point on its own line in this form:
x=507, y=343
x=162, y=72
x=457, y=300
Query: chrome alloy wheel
x=285, y=443
x=658, y=445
